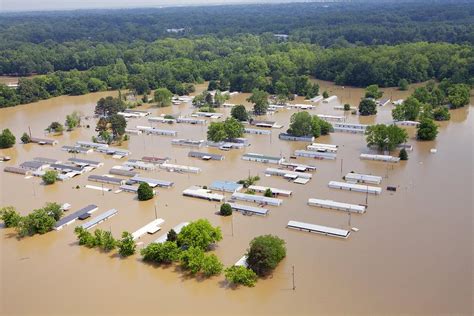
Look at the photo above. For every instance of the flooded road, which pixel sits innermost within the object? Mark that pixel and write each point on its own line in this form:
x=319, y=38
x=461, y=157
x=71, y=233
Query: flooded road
x=412, y=255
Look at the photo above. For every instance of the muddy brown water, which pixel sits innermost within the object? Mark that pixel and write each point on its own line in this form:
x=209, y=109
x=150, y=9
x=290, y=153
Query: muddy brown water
x=412, y=255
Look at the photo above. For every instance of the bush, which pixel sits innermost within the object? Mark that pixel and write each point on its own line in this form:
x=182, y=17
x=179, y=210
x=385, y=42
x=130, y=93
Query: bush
x=9, y=216
x=403, y=84
x=25, y=138
x=50, y=177
x=325, y=94
x=192, y=259
x=268, y=193
x=104, y=240
x=37, y=222
x=54, y=210
x=85, y=237
x=126, y=245
x=7, y=139
x=427, y=130
x=211, y=265
x=441, y=114
x=265, y=253
x=347, y=107
x=403, y=155
x=239, y=112
x=145, y=192
x=367, y=107
x=161, y=253
x=385, y=137
x=199, y=234
x=55, y=127
x=240, y=275
x=172, y=236
x=225, y=209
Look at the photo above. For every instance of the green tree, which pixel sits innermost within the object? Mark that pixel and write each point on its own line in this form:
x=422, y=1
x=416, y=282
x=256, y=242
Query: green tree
x=216, y=132
x=408, y=110
x=347, y=107
x=373, y=92
x=200, y=234
x=7, y=139
x=108, y=106
x=268, y=193
x=265, y=253
x=55, y=127
x=104, y=240
x=403, y=155
x=94, y=85
x=300, y=124
x=225, y=209
x=260, y=100
x=163, y=97
x=320, y=126
x=54, y=210
x=251, y=180
x=240, y=113
x=233, y=128
x=145, y=192
x=84, y=237
x=325, y=94
x=117, y=125
x=367, y=107
x=403, y=84
x=25, y=138
x=9, y=216
x=441, y=113
x=126, y=245
x=161, y=253
x=37, y=222
x=192, y=259
x=458, y=95
x=385, y=137
x=50, y=177
x=211, y=265
x=427, y=130
x=241, y=275
x=73, y=120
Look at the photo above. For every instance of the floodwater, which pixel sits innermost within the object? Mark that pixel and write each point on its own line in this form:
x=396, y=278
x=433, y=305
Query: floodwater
x=412, y=255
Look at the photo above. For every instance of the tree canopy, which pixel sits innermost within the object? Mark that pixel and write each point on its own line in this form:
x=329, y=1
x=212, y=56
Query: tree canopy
x=385, y=137
x=265, y=253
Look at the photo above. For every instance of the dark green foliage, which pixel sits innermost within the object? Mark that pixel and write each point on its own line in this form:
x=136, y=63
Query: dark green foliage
x=126, y=245
x=55, y=127
x=408, y=110
x=108, y=106
x=325, y=94
x=403, y=155
x=347, y=107
x=54, y=210
x=268, y=193
x=25, y=138
x=9, y=216
x=403, y=84
x=161, y=253
x=104, y=240
x=373, y=92
x=249, y=181
x=427, y=130
x=458, y=95
x=172, y=235
x=241, y=275
x=441, y=113
x=367, y=107
x=385, y=137
x=145, y=192
x=192, y=259
x=37, y=222
x=84, y=237
x=200, y=234
x=117, y=125
x=259, y=99
x=240, y=113
x=7, y=139
x=265, y=253
x=50, y=177
x=300, y=124
x=228, y=130
x=211, y=265
x=225, y=209
x=163, y=97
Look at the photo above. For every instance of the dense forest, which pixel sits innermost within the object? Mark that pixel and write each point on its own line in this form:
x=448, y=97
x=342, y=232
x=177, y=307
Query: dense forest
x=90, y=51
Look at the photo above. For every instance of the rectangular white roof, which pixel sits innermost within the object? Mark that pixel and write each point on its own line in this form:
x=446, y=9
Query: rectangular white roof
x=151, y=226
x=329, y=231
x=177, y=229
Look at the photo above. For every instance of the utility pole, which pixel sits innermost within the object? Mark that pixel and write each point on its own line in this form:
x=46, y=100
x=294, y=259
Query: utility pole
x=29, y=129
x=156, y=215
x=349, y=221
x=367, y=197
x=342, y=161
x=293, y=276
x=232, y=224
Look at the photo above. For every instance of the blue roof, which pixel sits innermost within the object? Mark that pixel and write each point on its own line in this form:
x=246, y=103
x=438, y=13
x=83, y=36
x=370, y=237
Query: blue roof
x=228, y=186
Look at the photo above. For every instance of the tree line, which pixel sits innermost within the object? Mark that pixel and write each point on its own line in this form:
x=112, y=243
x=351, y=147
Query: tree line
x=246, y=63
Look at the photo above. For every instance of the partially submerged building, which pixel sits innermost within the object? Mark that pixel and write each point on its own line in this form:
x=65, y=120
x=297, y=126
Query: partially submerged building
x=286, y=136
x=318, y=229
x=200, y=193
x=205, y=156
x=262, y=158
x=354, y=187
x=263, y=200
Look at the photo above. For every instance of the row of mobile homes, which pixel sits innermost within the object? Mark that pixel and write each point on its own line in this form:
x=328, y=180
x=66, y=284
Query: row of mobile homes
x=155, y=160
x=318, y=229
x=275, y=191
x=385, y=158
x=256, y=199
x=330, y=99
x=156, y=131
x=189, y=120
x=92, y=145
x=17, y=170
x=85, y=163
x=200, y=193
x=226, y=186
x=122, y=172
x=179, y=168
x=363, y=178
x=151, y=182
x=43, y=141
x=77, y=149
x=257, y=131
x=205, y=156
x=160, y=119
x=298, y=167
x=47, y=160
x=262, y=158
x=337, y=205
x=322, y=147
x=187, y=142
x=407, y=123
x=315, y=154
x=330, y=118
x=285, y=136
x=106, y=180
x=350, y=128
x=288, y=173
x=354, y=187
x=249, y=210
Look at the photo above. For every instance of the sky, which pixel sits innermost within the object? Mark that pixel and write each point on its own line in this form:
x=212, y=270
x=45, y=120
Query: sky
x=47, y=5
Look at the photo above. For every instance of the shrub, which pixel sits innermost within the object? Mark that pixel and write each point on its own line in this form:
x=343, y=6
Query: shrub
x=199, y=234
x=241, y=275
x=145, y=192
x=126, y=245
x=49, y=177
x=225, y=209
x=403, y=155
x=211, y=265
x=7, y=139
x=25, y=138
x=427, y=130
x=9, y=216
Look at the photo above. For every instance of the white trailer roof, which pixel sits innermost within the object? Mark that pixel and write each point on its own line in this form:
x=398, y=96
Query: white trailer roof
x=337, y=205
x=177, y=229
x=329, y=231
x=151, y=226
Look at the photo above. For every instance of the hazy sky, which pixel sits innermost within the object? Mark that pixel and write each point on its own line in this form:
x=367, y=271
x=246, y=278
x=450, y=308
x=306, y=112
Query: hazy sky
x=44, y=5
